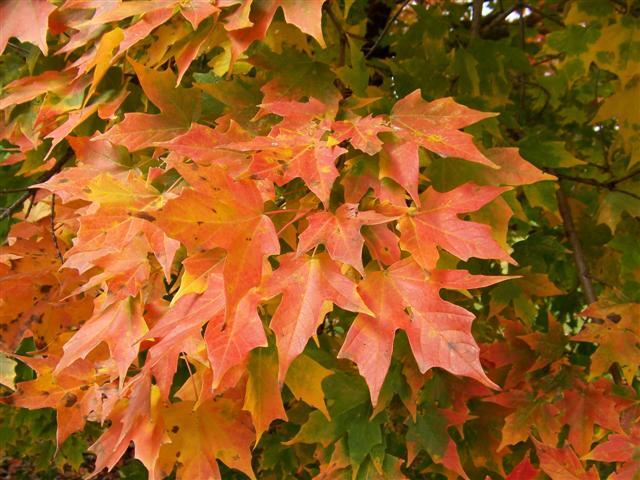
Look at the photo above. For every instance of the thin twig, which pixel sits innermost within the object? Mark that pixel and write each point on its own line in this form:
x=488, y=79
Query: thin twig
x=611, y=185
x=547, y=58
x=386, y=28
x=17, y=205
x=626, y=177
x=578, y=254
x=544, y=15
x=341, y=31
x=500, y=18
x=523, y=87
x=32, y=202
x=53, y=228
x=18, y=48
x=583, y=270
x=6, y=191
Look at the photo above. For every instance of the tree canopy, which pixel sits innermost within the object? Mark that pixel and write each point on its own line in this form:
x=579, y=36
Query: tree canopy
x=320, y=239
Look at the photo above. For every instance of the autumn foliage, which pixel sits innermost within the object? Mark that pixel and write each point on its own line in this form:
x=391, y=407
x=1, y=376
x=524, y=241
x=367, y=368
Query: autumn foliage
x=270, y=239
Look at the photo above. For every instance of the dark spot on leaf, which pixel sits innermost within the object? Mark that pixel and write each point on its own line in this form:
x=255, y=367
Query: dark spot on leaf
x=69, y=399
x=614, y=317
x=145, y=216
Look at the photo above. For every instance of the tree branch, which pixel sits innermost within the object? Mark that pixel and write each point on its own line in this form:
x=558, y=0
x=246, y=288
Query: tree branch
x=578, y=254
x=628, y=176
x=386, y=28
x=6, y=191
x=17, y=205
x=476, y=19
x=499, y=19
x=341, y=32
x=544, y=15
x=581, y=264
x=611, y=185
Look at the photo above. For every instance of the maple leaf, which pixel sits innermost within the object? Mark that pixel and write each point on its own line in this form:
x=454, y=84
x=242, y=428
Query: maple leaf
x=150, y=241
x=142, y=28
x=205, y=146
x=436, y=223
x=548, y=346
x=7, y=372
x=179, y=106
x=562, y=463
x=382, y=243
x=311, y=80
x=361, y=175
x=138, y=419
x=362, y=132
x=434, y=126
x=524, y=471
x=586, y=406
x=262, y=397
x=407, y=297
x=617, y=343
x=75, y=393
x=198, y=271
x=307, y=285
x=215, y=430
x=36, y=299
x=27, y=88
x=304, y=379
x=619, y=448
x=419, y=121
x=120, y=325
x=120, y=222
x=197, y=10
x=213, y=217
x=184, y=322
x=230, y=339
x=340, y=233
x=251, y=21
x=528, y=411
x=514, y=170
x=26, y=20
x=290, y=152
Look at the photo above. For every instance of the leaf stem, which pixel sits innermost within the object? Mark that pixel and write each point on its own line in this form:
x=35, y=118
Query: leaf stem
x=53, y=228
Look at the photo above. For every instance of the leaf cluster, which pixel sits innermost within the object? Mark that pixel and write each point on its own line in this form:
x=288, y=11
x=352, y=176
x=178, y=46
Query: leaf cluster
x=320, y=239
